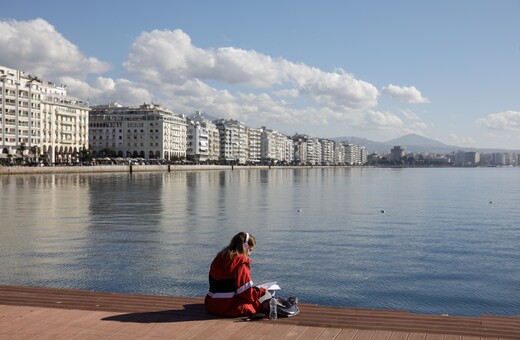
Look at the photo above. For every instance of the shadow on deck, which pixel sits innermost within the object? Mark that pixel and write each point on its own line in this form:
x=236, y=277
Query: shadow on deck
x=167, y=309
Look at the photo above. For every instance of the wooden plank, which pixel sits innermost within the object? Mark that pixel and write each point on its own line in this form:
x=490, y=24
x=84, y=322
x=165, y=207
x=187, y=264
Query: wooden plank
x=363, y=335
x=312, y=333
x=452, y=337
x=399, y=336
x=330, y=333
x=381, y=335
x=417, y=336
x=143, y=311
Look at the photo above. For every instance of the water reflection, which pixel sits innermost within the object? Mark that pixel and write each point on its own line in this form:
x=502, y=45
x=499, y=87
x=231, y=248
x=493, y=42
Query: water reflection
x=320, y=233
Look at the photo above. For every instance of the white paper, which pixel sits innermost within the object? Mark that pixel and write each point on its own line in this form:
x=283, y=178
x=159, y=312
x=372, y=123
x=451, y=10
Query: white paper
x=270, y=286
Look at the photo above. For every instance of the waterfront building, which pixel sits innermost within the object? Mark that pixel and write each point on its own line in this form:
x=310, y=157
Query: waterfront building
x=510, y=158
x=313, y=151
x=276, y=147
x=269, y=150
x=339, y=153
x=355, y=154
x=38, y=117
x=300, y=149
x=499, y=158
x=327, y=152
x=363, y=155
x=396, y=153
x=213, y=135
x=351, y=154
x=254, y=145
x=148, y=131
x=233, y=141
x=197, y=141
x=286, y=148
x=472, y=158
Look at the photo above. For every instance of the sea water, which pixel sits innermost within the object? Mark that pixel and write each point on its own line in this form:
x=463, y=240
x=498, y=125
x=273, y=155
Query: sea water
x=425, y=240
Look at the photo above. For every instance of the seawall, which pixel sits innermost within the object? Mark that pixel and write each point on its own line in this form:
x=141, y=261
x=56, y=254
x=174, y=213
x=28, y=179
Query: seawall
x=21, y=170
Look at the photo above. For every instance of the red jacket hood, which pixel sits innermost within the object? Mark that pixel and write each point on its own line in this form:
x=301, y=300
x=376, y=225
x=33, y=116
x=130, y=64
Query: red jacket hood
x=224, y=268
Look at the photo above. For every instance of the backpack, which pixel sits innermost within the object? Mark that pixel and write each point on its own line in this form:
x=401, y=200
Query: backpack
x=287, y=308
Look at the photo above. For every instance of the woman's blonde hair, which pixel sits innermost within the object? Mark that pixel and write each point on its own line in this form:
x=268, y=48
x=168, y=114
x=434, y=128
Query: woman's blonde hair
x=239, y=244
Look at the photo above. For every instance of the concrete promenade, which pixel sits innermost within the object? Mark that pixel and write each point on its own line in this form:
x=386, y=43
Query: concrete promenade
x=21, y=170
x=49, y=313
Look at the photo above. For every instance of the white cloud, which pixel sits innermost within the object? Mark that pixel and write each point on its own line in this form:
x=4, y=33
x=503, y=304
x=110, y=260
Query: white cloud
x=507, y=121
x=461, y=141
x=289, y=93
x=409, y=114
x=405, y=94
x=36, y=47
x=105, y=90
x=382, y=119
x=168, y=59
x=167, y=68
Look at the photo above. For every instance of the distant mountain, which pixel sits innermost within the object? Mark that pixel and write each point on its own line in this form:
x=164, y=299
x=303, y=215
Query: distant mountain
x=410, y=143
x=416, y=140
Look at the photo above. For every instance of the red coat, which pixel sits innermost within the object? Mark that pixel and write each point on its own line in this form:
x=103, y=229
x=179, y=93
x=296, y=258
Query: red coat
x=231, y=290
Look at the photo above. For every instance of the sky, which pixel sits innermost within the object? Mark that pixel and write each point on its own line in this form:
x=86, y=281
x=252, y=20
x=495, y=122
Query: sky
x=447, y=70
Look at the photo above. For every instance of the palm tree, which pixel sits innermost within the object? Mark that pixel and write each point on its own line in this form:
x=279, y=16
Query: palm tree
x=21, y=149
x=35, y=150
x=84, y=155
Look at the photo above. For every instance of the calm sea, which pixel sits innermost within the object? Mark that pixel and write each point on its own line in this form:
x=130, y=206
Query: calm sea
x=422, y=240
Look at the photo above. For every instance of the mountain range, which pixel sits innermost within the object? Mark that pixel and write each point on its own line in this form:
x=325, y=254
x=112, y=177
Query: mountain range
x=412, y=143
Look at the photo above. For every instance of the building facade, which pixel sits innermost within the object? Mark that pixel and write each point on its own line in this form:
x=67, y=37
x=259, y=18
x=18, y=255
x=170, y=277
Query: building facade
x=148, y=131
x=254, y=136
x=39, y=118
x=213, y=136
x=233, y=141
x=396, y=153
x=197, y=141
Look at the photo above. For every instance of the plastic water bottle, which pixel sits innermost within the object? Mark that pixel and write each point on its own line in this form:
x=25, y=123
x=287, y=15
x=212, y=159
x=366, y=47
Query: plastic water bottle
x=273, y=313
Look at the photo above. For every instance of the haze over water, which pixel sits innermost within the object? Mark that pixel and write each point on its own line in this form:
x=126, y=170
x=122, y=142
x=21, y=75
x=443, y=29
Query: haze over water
x=447, y=241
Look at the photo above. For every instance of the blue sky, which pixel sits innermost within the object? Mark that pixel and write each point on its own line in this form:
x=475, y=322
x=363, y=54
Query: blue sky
x=447, y=70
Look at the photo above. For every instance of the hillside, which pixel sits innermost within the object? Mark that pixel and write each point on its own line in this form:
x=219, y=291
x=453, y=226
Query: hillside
x=410, y=143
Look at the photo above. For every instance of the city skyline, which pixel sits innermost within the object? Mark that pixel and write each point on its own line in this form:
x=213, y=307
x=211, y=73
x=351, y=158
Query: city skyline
x=446, y=71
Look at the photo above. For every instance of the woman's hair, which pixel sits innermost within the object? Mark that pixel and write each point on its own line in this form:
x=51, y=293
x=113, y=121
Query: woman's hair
x=238, y=245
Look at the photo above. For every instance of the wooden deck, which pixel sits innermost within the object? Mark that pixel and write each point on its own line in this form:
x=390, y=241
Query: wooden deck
x=46, y=313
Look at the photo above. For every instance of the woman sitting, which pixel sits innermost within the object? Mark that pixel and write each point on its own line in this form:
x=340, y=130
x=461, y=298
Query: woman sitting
x=231, y=291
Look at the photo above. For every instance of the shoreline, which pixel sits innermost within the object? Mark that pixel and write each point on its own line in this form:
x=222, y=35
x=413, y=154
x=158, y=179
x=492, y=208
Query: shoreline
x=26, y=170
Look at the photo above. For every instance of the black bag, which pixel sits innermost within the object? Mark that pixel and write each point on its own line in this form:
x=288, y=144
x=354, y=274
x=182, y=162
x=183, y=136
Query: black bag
x=287, y=308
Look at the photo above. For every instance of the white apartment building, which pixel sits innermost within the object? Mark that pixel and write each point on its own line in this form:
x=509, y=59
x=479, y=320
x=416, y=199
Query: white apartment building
x=355, y=154
x=233, y=141
x=313, y=151
x=352, y=156
x=287, y=147
x=197, y=141
x=148, y=131
x=213, y=136
x=339, y=153
x=40, y=117
x=276, y=147
x=254, y=145
x=327, y=152
x=269, y=146
x=300, y=149
x=363, y=155
x=284, y=147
